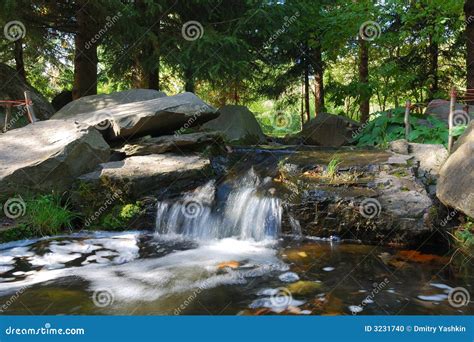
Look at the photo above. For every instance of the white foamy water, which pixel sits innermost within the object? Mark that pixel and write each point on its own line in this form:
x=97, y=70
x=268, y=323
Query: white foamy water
x=241, y=227
x=145, y=279
x=249, y=212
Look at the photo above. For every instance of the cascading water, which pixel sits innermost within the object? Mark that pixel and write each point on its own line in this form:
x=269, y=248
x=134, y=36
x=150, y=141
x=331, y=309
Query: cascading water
x=249, y=211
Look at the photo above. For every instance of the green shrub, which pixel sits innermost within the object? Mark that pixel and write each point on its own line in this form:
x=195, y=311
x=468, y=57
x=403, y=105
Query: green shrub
x=332, y=167
x=120, y=216
x=465, y=235
x=20, y=232
x=382, y=129
x=47, y=215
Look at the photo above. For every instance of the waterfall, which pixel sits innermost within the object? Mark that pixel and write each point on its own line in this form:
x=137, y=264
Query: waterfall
x=249, y=211
x=295, y=227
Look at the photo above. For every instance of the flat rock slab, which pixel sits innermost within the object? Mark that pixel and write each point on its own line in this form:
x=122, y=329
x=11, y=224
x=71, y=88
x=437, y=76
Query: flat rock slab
x=143, y=175
x=177, y=142
x=48, y=155
x=429, y=156
x=152, y=117
x=93, y=103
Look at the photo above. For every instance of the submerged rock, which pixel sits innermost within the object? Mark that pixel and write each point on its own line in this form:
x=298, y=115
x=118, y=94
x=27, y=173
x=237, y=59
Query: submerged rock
x=48, y=155
x=303, y=287
x=237, y=124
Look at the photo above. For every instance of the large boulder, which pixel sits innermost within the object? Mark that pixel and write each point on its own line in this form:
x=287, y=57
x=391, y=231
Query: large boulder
x=158, y=116
x=48, y=155
x=93, y=103
x=328, y=130
x=456, y=182
x=237, y=124
x=440, y=110
x=13, y=88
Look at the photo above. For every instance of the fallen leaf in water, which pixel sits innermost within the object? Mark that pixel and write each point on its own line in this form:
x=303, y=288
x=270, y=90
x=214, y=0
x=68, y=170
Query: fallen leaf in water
x=261, y=311
x=417, y=256
x=230, y=264
x=397, y=263
x=293, y=310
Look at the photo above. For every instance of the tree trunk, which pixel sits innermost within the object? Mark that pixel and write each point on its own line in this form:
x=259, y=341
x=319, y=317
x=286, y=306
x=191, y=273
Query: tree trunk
x=302, y=105
x=433, y=52
x=318, y=81
x=189, y=81
x=306, y=92
x=19, y=62
x=469, y=12
x=85, y=59
x=364, y=105
x=153, y=81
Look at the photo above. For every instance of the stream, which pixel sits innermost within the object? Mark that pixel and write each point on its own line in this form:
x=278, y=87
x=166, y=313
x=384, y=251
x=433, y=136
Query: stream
x=220, y=250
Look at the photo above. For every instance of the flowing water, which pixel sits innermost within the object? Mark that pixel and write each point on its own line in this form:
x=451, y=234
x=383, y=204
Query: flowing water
x=219, y=250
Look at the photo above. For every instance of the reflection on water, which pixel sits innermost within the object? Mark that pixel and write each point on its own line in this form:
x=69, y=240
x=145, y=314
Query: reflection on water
x=143, y=273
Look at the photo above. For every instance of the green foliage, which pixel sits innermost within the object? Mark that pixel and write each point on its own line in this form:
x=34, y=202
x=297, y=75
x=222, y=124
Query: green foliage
x=47, y=215
x=19, y=232
x=465, y=235
x=120, y=216
x=333, y=165
x=382, y=129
